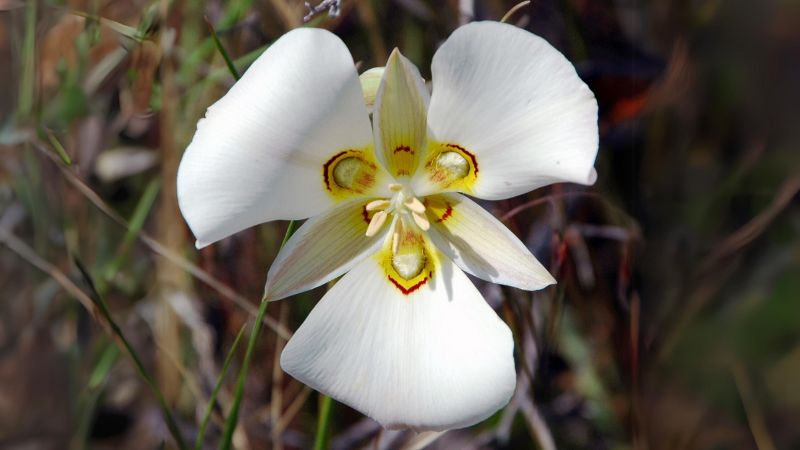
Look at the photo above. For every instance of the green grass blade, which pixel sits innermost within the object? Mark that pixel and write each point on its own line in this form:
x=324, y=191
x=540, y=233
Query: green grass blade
x=228, y=62
x=26, y=88
x=60, y=150
x=103, y=367
x=323, y=422
x=102, y=306
x=201, y=433
x=140, y=214
x=87, y=402
x=233, y=414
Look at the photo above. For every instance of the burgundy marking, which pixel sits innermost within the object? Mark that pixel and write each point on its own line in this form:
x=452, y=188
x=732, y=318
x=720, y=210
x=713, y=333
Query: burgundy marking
x=447, y=213
x=409, y=290
x=325, y=168
x=403, y=148
x=365, y=214
x=471, y=156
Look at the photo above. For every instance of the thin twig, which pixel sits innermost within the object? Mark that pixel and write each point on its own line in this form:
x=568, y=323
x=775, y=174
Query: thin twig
x=546, y=199
x=750, y=231
x=514, y=10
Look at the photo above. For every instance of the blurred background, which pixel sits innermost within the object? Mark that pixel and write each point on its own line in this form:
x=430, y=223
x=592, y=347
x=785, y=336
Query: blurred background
x=675, y=323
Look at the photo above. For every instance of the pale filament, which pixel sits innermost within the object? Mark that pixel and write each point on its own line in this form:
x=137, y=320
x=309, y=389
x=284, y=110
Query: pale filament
x=402, y=203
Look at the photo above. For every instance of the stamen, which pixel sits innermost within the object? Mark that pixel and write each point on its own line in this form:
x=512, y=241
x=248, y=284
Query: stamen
x=395, y=187
x=420, y=220
x=415, y=205
x=377, y=204
x=376, y=223
x=398, y=229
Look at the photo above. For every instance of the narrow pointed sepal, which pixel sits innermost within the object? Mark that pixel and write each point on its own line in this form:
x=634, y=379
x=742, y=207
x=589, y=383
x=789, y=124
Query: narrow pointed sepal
x=325, y=247
x=481, y=245
x=399, y=116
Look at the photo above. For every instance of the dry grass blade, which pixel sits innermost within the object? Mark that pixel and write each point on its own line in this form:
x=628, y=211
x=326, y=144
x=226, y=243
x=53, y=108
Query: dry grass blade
x=94, y=304
x=293, y=409
x=98, y=300
x=212, y=401
x=28, y=254
x=750, y=231
x=160, y=249
x=507, y=16
x=735, y=242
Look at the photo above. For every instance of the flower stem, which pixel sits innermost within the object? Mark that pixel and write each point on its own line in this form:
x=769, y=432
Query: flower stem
x=323, y=422
x=233, y=414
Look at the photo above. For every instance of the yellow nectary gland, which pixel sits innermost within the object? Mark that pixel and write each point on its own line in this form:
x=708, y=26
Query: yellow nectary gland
x=353, y=173
x=346, y=171
x=407, y=258
x=409, y=265
x=451, y=166
x=453, y=163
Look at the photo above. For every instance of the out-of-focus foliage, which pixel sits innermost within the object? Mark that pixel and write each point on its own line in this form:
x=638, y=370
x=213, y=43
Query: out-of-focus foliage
x=676, y=320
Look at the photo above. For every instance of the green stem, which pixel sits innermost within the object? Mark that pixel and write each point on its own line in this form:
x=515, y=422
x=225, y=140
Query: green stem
x=201, y=434
x=28, y=63
x=233, y=414
x=323, y=422
x=104, y=310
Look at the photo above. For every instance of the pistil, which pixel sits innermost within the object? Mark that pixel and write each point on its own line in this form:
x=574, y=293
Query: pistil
x=404, y=204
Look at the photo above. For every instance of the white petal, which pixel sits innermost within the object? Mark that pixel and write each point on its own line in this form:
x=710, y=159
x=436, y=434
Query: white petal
x=325, y=247
x=481, y=245
x=434, y=359
x=398, y=116
x=512, y=100
x=259, y=153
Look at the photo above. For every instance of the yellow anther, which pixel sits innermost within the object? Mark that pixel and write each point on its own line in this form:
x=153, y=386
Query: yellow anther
x=377, y=204
x=376, y=223
x=420, y=220
x=395, y=187
x=415, y=205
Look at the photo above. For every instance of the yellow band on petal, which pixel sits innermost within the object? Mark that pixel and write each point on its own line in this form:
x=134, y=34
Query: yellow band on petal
x=349, y=173
x=399, y=116
x=439, y=208
x=409, y=260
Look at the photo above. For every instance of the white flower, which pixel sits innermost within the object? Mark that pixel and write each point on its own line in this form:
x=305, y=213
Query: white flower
x=404, y=336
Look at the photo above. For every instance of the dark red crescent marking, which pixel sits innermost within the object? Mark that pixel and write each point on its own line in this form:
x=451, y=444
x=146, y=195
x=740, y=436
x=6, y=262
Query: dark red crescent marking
x=471, y=156
x=325, y=168
x=403, y=148
x=409, y=290
x=447, y=213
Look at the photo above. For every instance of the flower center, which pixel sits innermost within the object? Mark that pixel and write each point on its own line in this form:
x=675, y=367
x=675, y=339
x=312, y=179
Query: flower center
x=403, y=203
x=408, y=255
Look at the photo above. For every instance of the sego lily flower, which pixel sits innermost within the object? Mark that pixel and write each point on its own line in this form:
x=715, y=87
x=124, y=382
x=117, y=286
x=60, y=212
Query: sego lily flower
x=403, y=336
